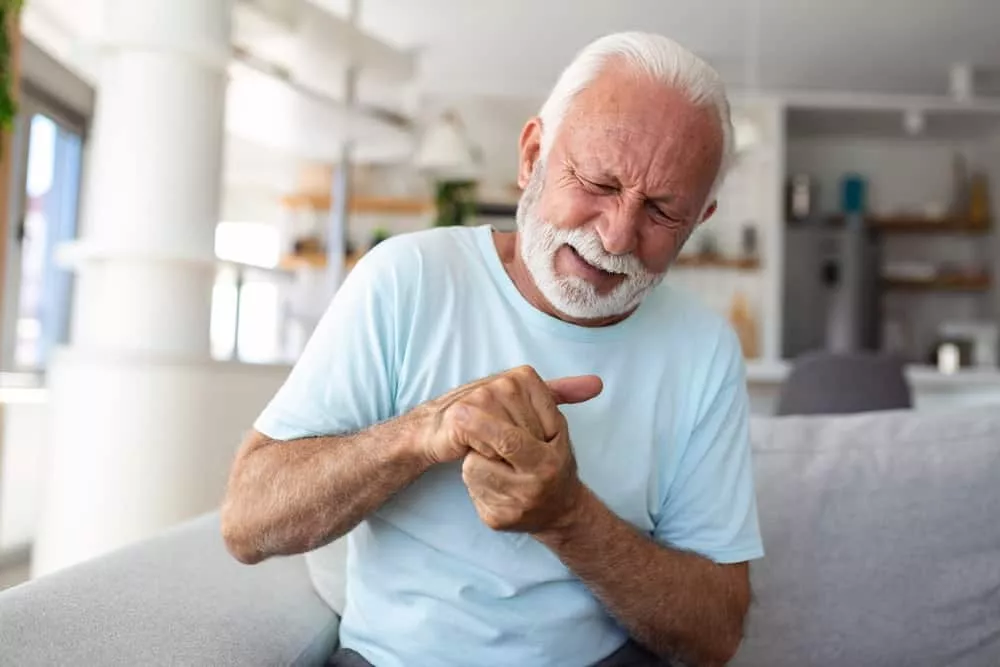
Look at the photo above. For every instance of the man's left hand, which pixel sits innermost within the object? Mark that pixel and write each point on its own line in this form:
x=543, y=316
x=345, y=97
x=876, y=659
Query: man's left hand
x=517, y=482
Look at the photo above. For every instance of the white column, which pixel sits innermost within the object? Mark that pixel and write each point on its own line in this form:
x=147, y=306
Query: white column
x=127, y=410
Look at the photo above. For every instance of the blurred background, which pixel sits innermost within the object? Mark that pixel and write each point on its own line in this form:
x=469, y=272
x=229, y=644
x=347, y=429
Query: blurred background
x=186, y=182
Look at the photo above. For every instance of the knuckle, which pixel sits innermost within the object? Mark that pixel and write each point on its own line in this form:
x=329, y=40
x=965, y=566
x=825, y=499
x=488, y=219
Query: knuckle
x=477, y=397
x=493, y=520
x=527, y=372
x=507, y=385
x=509, y=442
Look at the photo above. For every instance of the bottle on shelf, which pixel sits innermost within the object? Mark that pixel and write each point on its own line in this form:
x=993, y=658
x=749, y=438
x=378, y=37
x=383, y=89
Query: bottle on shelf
x=979, y=201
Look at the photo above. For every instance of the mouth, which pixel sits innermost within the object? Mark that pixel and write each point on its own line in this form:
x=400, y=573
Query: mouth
x=576, y=265
x=581, y=258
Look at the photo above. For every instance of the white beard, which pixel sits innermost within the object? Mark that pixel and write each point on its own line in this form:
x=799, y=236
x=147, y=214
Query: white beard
x=571, y=295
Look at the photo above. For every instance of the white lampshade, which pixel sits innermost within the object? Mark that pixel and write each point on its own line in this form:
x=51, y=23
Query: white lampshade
x=445, y=150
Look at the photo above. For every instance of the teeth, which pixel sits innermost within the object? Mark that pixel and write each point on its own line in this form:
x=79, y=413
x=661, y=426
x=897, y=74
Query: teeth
x=596, y=264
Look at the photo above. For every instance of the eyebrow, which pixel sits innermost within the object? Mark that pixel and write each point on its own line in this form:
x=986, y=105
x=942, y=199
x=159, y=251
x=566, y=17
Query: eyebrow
x=604, y=177
x=663, y=199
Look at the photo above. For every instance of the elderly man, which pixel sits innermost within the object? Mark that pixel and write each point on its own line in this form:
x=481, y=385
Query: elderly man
x=539, y=452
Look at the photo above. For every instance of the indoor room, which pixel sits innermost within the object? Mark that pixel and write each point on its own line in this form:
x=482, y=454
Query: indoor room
x=430, y=332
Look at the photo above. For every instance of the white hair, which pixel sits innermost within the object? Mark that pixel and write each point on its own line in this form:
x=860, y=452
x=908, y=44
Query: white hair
x=661, y=58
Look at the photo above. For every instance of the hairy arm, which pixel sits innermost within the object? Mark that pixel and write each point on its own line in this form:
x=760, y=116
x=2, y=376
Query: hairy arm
x=676, y=603
x=288, y=497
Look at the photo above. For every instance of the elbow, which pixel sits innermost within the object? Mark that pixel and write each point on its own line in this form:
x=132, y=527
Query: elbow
x=723, y=649
x=237, y=538
x=716, y=650
x=729, y=647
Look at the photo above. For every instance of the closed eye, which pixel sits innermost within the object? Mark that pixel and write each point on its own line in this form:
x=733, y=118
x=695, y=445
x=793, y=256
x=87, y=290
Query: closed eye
x=661, y=215
x=598, y=188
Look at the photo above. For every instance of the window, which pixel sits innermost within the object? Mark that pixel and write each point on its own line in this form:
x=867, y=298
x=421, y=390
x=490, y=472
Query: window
x=247, y=297
x=48, y=153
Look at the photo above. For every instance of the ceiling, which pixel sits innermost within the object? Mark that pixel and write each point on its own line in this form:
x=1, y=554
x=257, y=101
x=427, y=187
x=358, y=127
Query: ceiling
x=494, y=60
x=501, y=47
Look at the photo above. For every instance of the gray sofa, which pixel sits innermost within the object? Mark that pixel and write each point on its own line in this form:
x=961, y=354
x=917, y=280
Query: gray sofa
x=883, y=548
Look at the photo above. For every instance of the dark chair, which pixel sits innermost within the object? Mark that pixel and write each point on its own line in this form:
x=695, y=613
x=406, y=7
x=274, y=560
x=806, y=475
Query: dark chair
x=825, y=383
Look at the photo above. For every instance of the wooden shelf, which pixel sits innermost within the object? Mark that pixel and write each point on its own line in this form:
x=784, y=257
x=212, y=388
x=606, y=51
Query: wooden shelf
x=393, y=205
x=375, y=205
x=945, y=283
x=315, y=261
x=733, y=263
x=303, y=261
x=919, y=225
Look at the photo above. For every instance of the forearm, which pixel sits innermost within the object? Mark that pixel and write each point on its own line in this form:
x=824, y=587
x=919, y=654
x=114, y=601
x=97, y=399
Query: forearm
x=674, y=602
x=291, y=497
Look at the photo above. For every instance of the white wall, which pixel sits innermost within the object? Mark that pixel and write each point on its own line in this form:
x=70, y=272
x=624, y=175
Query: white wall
x=751, y=196
x=23, y=438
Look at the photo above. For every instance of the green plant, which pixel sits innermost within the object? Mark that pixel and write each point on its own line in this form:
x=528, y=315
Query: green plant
x=8, y=106
x=455, y=202
x=379, y=234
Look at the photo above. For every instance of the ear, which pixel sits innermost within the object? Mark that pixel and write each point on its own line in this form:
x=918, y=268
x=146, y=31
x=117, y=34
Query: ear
x=530, y=148
x=709, y=211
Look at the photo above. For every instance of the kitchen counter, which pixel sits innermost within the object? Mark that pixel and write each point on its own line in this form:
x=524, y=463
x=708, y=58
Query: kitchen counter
x=931, y=388
x=775, y=372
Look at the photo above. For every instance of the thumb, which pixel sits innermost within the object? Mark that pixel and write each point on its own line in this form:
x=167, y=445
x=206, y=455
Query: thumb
x=575, y=389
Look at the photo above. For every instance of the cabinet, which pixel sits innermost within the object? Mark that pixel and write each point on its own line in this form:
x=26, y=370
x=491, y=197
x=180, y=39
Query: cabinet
x=929, y=259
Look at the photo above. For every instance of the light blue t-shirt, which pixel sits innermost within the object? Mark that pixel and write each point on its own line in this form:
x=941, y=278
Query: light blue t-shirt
x=665, y=446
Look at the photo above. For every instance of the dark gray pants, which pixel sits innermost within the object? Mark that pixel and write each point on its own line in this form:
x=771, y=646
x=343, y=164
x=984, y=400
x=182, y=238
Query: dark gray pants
x=629, y=655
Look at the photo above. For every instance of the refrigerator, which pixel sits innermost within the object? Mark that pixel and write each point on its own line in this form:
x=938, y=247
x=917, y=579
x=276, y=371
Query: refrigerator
x=831, y=287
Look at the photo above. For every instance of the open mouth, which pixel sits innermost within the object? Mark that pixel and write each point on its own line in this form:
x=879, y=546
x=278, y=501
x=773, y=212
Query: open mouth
x=596, y=271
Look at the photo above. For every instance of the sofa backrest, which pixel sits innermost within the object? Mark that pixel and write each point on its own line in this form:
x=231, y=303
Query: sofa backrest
x=882, y=534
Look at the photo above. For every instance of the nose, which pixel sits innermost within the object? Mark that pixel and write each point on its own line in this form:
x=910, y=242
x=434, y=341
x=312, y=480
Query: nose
x=619, y=227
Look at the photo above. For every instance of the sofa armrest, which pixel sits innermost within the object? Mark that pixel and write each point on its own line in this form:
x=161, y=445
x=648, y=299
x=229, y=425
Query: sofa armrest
x=177, y=599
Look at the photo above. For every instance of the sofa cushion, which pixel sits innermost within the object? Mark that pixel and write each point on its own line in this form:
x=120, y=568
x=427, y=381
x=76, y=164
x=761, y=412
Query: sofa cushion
x=882, y=534
x=178, y=599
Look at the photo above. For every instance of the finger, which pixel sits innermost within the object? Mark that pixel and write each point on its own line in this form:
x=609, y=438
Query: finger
x=513, y=391
x=528, y=401
x=486, y=478
x=575, y=389
x=461, y=416
x=502, y=395
x=542, y=402
x=460, y=392
x=493, y=437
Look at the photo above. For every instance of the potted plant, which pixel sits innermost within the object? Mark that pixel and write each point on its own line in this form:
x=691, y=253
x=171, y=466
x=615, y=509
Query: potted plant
x=9, y=10
x=455, y=202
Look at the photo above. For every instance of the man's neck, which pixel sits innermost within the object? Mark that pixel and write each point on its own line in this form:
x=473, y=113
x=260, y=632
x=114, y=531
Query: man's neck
x=507, y=248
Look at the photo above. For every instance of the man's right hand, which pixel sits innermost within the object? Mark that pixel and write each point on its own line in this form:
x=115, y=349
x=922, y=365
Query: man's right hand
x=518, y=396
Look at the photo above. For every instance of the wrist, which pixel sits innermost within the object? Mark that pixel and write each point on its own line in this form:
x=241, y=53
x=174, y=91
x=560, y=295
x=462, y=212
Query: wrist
x=582, y=510
x=407, y=444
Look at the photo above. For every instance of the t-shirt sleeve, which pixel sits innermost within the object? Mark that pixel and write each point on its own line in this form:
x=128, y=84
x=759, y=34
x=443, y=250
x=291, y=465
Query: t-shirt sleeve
x=711, y=506
x=345, y=379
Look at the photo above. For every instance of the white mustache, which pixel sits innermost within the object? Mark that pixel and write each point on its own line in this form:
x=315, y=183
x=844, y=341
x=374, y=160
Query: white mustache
x=588, y=245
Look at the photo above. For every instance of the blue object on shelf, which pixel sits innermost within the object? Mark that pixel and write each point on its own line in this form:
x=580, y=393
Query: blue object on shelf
x=853, y=189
